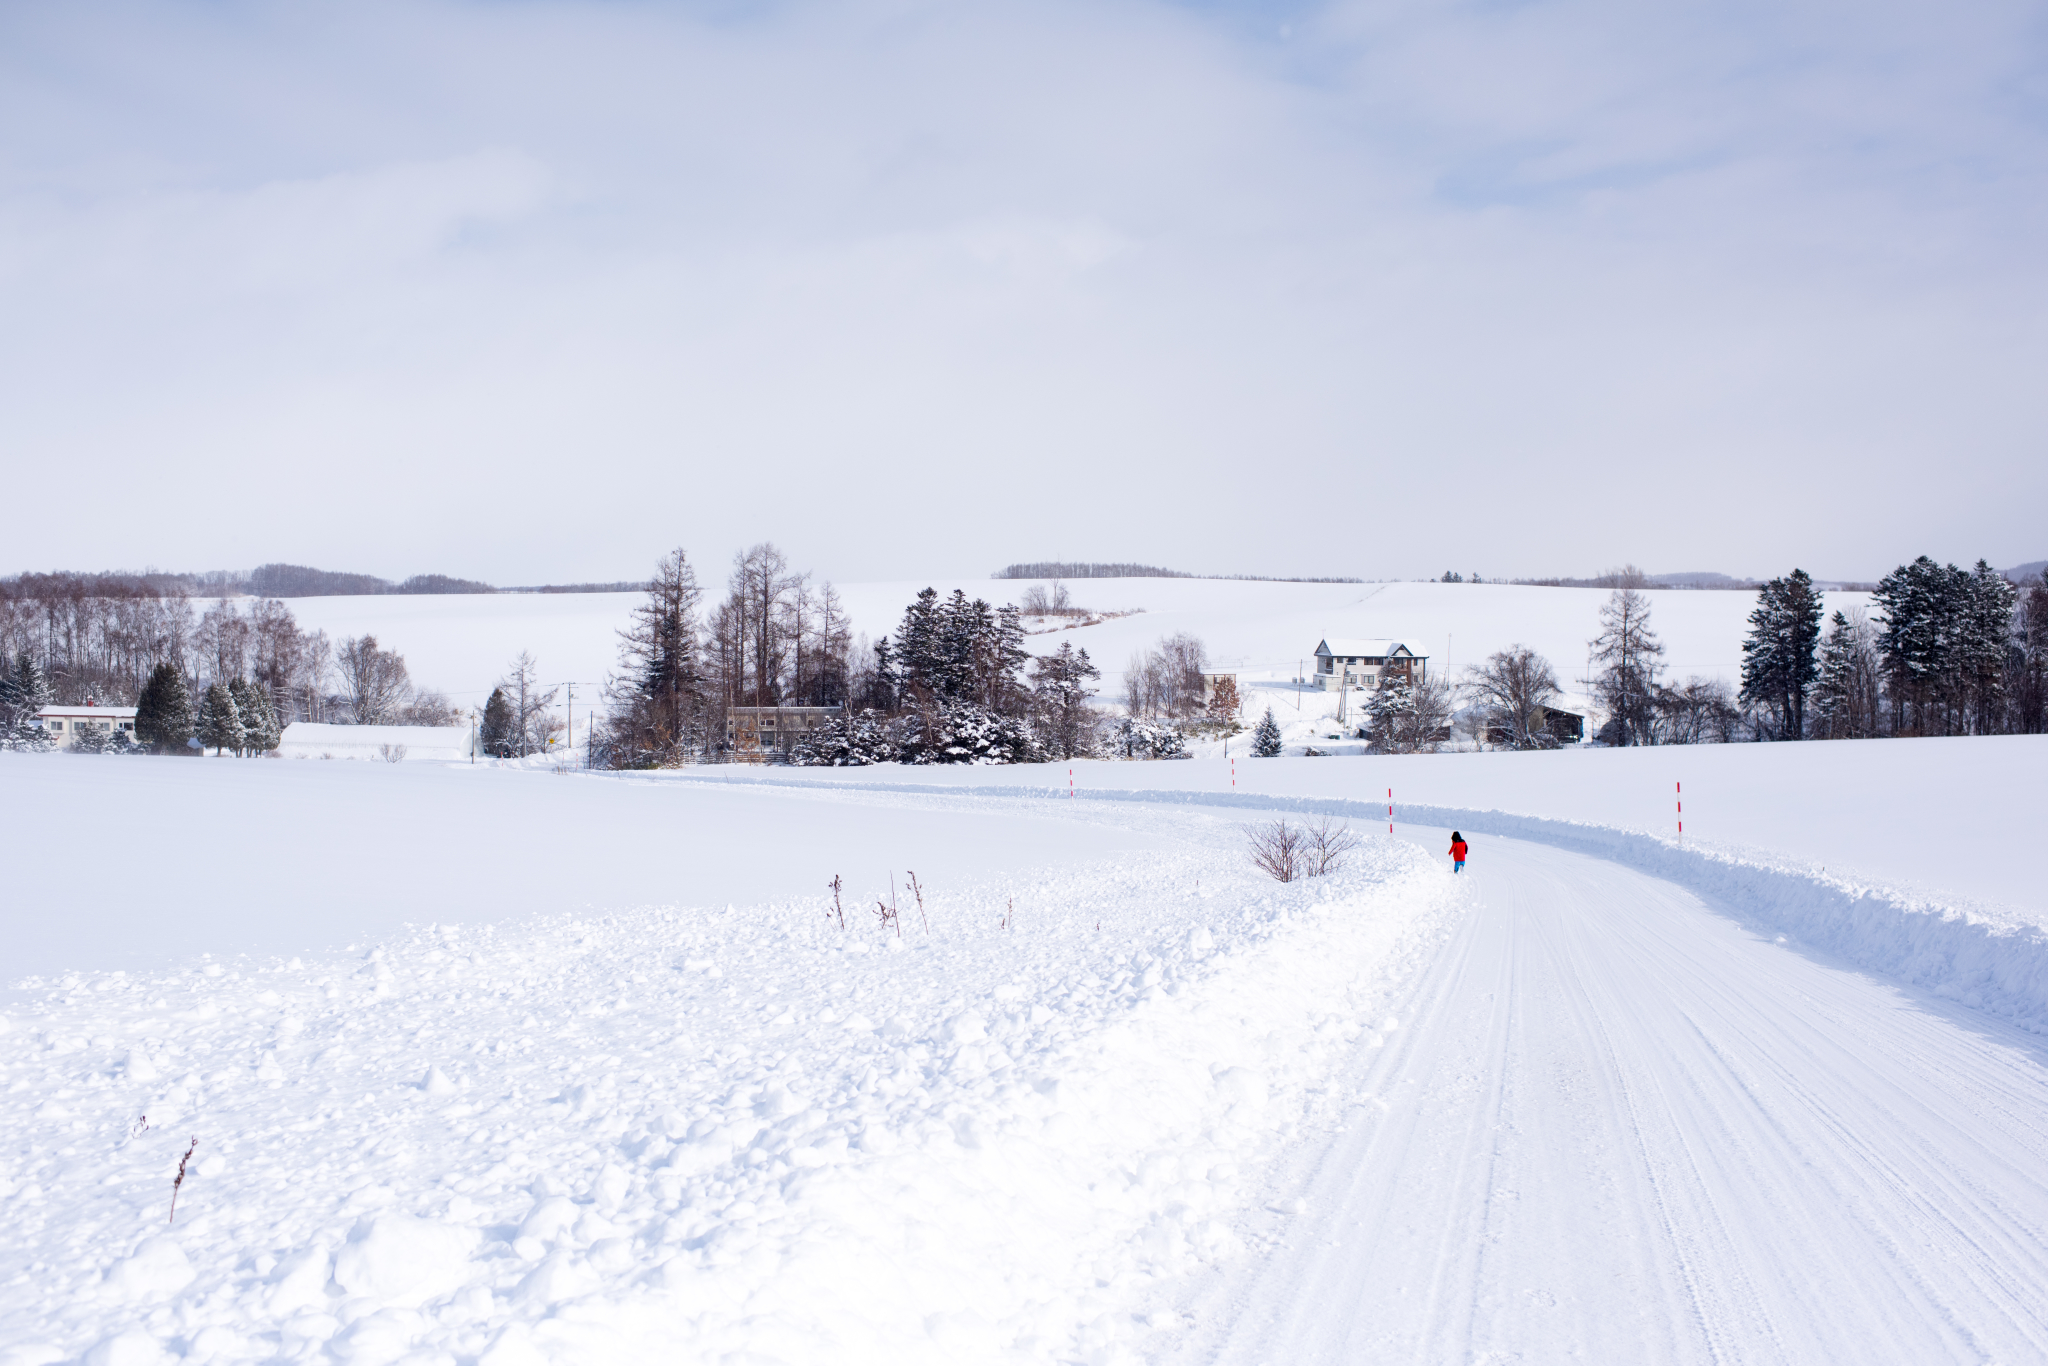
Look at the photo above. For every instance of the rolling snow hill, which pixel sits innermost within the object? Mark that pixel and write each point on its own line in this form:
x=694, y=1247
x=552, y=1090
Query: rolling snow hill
x=461, y=644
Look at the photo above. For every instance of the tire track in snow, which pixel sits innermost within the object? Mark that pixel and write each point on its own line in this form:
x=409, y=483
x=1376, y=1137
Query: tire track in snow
x=1797, y=1163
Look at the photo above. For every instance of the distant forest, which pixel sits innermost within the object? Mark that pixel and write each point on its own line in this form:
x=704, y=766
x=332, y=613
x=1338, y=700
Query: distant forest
x=271, y=581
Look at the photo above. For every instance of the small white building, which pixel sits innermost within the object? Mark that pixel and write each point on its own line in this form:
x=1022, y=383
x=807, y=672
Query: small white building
x=1345, y=662
x=66, y=724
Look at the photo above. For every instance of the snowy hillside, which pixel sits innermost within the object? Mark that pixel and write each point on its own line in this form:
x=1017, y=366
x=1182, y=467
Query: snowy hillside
x=461, y=644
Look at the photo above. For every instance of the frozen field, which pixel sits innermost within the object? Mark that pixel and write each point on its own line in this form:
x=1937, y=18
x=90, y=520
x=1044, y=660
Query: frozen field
x=504, y=1066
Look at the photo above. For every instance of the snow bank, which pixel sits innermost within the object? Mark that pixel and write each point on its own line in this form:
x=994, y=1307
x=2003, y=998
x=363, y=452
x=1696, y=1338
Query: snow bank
x=316, y=740
x=710, y=1133
x=1987, y=955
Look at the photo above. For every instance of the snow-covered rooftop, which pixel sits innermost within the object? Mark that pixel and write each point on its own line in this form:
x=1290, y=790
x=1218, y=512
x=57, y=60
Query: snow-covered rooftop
x=117, y=713
x=1345, y=647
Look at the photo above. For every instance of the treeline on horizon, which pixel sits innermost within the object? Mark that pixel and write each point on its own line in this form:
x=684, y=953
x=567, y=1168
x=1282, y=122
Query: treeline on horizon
x=265, y=581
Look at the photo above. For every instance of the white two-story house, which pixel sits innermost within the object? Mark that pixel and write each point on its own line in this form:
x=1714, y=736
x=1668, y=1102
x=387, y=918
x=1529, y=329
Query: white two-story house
x=1343, y=662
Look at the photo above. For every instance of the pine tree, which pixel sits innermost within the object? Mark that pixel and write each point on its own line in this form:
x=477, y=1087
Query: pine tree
x=1388, y=711
x=1266, y=737
x=1845, y=699
x=1911, y=601
x=163, y=714
x=1778, y=658
x=658, y=698
x=1060, y=689
x=497, y=731
x=918, y=664
x=24, y=691
x=260, y=730
x=1985, y=645
x=220, y=726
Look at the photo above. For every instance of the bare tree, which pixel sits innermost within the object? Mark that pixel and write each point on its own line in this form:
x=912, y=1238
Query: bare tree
x=1631, y=657
x=1696, y=712
x=657, y=698
x=1409, y=719
x=1513, y=687
x=374, y=682
x=533, y=718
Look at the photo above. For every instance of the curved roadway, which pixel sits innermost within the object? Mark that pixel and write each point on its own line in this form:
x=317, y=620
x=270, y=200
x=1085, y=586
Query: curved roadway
x=1615, y=1126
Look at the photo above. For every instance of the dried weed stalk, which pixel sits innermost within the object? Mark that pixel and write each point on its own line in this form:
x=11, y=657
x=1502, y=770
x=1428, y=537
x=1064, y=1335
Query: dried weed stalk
x=181, y=1176
x=837, y=909
x=886, y=911
x=918, y=892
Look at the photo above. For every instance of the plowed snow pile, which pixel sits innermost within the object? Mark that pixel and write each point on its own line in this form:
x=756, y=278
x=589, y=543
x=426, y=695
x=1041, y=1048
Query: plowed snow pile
x=697, y=1133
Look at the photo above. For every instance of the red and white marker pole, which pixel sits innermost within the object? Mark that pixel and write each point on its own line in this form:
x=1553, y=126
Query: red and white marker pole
x=1233, y=774
x=1070, y=782
x=1390, y=811
x=1681, y=809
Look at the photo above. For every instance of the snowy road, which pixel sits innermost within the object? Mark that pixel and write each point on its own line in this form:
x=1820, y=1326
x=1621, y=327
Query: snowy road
x=1616, y=1126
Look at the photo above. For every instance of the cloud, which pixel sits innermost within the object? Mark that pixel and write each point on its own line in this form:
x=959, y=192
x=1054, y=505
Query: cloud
x=927, y=287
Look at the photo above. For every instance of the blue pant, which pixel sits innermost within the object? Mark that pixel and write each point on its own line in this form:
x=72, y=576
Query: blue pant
x=1459, y=867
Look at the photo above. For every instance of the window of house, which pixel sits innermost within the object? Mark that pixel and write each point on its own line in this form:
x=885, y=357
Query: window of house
x=127, y=725
x=54, y=725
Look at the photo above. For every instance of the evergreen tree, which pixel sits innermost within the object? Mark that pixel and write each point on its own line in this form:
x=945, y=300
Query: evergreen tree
x=498, y=732
x=1778, y=659
x=1845, y=699
x=1985, y=647
x=260, y=729
x=847, y=741
x=1945, y=646
x=163, y=714
x=918, y=664
x=658, y=698
x=1388, y=711
x=24, y=691
x=885, y=687
x=1060, y=690
x=1912, y=601
x=1266, y=737
x=220, y=726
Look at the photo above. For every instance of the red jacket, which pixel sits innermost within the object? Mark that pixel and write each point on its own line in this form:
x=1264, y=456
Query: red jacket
x=1458, y=851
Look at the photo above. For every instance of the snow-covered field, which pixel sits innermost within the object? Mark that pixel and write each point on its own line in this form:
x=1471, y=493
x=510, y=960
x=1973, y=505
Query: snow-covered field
x=501, y=1065
x=1268, y=630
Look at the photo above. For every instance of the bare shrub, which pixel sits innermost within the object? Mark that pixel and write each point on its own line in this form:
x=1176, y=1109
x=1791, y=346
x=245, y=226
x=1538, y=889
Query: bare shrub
x=1277, y=849
x=391, y=754
x=1327, y=844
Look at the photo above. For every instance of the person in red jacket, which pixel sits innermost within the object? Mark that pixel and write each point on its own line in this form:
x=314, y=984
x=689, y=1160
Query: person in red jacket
x=1457, y=852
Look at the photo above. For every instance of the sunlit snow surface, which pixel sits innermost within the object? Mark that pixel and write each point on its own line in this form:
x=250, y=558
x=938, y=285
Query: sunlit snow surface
x=515, y=1066
x=678, y=1132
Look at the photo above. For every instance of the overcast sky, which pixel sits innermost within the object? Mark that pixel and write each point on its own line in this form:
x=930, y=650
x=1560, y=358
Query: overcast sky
x=533, y=292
